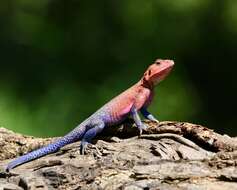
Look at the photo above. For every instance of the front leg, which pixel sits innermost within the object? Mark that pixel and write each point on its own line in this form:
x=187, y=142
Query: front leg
x=148, y=115
x=137, y=119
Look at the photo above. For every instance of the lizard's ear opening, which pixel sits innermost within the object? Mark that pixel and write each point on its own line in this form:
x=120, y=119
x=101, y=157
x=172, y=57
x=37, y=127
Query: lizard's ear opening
x=146, y=76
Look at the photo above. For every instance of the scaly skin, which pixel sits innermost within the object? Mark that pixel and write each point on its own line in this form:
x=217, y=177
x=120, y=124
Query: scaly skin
x=136, y=98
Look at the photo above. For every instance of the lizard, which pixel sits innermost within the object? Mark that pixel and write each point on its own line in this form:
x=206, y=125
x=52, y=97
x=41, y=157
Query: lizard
x=127, y=104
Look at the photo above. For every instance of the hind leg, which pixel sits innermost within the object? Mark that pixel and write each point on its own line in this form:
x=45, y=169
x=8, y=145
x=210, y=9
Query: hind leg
x=98, y=126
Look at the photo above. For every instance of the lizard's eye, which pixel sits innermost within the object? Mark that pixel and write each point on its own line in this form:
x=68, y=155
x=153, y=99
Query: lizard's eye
x=149, y=72
x=158, y=63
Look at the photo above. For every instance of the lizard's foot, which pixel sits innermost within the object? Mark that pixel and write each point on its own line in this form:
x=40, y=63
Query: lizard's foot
x=155, y=120
x=86, y=145
x=152, y=118
x=141, y=128
x=97, y=153
x=83, y=147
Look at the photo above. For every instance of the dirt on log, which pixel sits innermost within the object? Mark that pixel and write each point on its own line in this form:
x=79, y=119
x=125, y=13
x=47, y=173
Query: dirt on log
x=168, y=156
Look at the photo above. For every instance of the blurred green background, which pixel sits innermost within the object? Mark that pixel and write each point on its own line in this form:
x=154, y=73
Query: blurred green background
x=63, y=59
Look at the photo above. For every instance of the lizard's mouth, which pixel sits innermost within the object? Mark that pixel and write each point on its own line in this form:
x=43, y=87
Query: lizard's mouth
x=161, y=75
x=165, y=72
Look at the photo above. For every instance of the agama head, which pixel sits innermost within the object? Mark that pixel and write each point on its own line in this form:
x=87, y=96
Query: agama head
x=157, y=72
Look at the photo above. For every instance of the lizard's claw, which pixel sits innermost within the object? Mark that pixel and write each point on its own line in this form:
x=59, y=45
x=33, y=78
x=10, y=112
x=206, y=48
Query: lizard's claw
x=156, y=120
x=83, y=147
x=141, y=128
x=152, y=118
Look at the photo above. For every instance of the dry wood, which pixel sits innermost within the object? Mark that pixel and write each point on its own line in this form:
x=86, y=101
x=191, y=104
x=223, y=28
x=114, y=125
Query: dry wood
x=169, y=155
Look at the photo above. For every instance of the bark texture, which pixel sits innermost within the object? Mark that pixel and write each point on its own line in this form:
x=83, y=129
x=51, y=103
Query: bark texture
x=168, y=156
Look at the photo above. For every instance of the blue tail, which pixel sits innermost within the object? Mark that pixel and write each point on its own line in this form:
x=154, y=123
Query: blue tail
x=51, y=148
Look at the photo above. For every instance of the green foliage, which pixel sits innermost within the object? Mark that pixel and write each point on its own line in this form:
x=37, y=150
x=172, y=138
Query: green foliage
x=61, y=60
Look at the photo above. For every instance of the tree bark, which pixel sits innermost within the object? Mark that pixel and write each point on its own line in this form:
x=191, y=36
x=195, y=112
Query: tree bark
x=169, y=156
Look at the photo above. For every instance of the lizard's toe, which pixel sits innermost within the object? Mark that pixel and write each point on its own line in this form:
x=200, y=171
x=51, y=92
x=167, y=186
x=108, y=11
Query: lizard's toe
x=141, y=128
x=83, y=147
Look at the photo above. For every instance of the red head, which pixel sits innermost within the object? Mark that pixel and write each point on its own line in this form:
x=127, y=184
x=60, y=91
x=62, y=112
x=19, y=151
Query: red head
x=157, y=72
